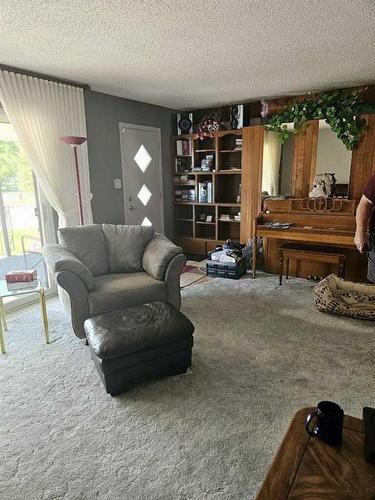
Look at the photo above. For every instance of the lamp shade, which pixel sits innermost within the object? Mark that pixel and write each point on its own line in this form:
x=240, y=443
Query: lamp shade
x=73, y=140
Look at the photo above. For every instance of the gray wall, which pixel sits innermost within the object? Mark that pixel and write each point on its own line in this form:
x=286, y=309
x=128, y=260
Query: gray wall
x=103, y=115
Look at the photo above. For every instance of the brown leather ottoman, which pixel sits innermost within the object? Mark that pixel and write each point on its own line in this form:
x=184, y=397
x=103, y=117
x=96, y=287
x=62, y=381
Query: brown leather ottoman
x=139, y=343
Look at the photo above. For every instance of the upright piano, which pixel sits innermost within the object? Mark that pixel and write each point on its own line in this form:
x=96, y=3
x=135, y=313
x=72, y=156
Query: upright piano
x=321, y=221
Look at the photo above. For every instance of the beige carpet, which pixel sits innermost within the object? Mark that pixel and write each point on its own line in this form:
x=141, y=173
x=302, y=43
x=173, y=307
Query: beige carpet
x=261, y=352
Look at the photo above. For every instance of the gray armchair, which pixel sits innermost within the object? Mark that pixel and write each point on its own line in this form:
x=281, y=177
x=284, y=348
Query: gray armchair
x=104, y=267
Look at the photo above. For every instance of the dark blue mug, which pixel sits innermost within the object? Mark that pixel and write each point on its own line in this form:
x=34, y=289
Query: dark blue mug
x=326, y=423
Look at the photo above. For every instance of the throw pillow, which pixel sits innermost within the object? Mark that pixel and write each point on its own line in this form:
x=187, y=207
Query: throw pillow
x=126, y=245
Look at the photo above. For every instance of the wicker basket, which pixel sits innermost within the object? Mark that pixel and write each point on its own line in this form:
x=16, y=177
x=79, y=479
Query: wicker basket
x=347, y=298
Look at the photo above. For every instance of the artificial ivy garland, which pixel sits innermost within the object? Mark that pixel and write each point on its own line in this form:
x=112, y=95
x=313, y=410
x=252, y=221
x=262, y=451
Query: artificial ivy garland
x=340, y=109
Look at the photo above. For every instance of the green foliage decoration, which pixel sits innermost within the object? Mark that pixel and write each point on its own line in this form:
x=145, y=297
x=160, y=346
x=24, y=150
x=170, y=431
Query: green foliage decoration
x=340, y=109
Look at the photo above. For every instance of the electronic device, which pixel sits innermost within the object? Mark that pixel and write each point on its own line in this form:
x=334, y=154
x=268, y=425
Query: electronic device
x=236, y=116
x=184, y=123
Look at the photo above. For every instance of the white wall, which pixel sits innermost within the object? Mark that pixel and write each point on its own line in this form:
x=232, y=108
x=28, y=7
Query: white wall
x=332, y=156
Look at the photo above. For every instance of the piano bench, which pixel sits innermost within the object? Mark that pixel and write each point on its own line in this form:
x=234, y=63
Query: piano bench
x=310, y=253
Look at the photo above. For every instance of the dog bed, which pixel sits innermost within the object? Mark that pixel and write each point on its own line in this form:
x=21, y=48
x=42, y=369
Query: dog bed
x=347, y=298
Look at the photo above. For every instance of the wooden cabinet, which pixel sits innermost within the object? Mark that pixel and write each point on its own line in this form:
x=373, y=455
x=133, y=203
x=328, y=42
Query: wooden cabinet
x=207, y=202
x=251, y=179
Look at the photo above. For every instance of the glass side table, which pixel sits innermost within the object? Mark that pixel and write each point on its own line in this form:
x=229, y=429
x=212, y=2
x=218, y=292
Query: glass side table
x=6, y=292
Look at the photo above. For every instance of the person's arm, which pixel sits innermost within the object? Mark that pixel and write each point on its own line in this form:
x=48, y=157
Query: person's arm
x=362, y=217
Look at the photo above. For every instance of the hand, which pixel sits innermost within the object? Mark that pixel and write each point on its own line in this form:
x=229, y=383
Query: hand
x=360, y=241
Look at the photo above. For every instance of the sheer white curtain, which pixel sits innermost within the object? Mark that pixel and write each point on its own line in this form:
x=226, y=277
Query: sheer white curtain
x=41, y=112
x=271, y=163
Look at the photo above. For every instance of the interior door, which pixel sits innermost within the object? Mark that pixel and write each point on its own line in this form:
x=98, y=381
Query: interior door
x=142, y=175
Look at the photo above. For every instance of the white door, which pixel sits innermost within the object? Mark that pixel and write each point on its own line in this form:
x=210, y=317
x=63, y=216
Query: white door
x=142, y=175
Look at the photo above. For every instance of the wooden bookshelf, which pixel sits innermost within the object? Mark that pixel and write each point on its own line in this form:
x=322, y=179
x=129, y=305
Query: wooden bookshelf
x=192, y=230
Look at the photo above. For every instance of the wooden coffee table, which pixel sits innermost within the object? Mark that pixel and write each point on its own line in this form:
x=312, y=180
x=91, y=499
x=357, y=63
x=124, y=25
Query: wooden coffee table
x=306, y=468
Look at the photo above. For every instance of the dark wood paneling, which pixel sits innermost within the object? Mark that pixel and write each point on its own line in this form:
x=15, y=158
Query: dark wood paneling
x=304, y=160
x=363, y=160
x=275, y=105
x=252, y=159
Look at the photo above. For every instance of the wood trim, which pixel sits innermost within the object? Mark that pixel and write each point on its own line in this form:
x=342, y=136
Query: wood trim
x=251, y=180
x=277, y=104
x=304, y=160
x=363, y=160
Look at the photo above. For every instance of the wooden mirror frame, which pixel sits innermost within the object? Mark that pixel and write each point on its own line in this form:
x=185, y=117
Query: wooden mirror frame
x=304, y=160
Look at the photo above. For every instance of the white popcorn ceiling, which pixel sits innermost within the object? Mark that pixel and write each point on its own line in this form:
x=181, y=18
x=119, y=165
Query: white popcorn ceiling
x=193, y=53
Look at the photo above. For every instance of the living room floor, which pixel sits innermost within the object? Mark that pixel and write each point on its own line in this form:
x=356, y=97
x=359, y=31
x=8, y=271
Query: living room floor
x=261, y=352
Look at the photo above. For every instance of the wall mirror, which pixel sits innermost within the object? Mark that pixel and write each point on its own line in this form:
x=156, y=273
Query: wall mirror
x=333, y=157
x=277, y=164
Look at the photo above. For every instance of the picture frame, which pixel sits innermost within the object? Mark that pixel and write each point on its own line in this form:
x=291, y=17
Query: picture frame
x=209, y=218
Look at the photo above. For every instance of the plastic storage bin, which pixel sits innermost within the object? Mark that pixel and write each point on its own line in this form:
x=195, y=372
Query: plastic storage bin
x=229, y=270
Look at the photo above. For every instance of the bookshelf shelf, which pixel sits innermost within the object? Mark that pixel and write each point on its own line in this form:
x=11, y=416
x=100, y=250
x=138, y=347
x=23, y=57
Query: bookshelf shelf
x=229, y=172
x=238, y=205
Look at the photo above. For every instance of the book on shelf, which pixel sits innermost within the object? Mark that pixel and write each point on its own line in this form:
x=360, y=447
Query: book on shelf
x=191, y=194
x=183, y=147
x=205, y=192
x=184, y=195
x=225, y=217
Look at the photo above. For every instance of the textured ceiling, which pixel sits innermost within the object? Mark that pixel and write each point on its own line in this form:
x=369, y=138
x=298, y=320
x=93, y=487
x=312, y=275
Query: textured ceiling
x=189, y=54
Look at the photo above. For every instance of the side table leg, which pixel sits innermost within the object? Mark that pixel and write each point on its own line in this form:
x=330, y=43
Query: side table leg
x=2, y=314
x=43, y=307
x=255, y=251
x=281, y=257
x=2, y=341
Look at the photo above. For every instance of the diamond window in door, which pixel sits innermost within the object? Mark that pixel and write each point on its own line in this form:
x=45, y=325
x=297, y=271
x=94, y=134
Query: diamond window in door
x=146, y=222
x=144, y=194
x=142, y=158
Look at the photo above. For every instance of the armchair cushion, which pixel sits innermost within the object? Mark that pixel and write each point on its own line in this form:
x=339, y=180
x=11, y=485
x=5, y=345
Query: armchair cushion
x=117, y=291
x=59, y=259
x=88, y=244
x=126, y=245
x=157, y=255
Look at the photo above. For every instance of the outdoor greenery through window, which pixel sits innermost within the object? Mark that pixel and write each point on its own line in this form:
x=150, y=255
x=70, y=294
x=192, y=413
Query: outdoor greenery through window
x=20, y=241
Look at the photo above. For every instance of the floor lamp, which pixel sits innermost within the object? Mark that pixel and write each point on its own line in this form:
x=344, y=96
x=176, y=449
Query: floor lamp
x=75, y=141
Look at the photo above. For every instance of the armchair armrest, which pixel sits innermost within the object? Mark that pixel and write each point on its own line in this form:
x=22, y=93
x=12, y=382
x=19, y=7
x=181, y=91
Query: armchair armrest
x=74, y=281
x=158, y=254
x=59, y=258
x=172, y=279
x=75, y=298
